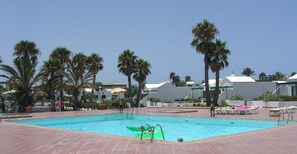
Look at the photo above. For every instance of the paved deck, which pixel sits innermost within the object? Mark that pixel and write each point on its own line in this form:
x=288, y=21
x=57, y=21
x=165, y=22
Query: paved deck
x=19, y=139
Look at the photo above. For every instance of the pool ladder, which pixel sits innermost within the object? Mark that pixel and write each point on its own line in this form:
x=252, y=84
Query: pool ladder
x=130, y=115
x=152, y=131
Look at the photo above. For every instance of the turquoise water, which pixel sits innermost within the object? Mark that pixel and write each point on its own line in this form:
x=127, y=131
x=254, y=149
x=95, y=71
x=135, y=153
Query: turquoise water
x=188, y=128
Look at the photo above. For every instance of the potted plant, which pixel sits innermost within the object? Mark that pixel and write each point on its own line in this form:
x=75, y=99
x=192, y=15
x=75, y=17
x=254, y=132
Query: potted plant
x=29, y=109
x=102, y=106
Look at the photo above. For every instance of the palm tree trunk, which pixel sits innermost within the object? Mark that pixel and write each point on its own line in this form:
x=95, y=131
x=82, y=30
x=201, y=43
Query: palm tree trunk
x=138, y=94
x=217, y=90
x=75, y=104
x=206, y=68
x=61, y=80
x=52, y=100
x=22, y=107
x=94, y=81
x=61, y=85
x=129, y=87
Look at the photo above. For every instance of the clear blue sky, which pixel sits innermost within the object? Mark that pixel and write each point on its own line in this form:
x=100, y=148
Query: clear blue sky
x=261, y=34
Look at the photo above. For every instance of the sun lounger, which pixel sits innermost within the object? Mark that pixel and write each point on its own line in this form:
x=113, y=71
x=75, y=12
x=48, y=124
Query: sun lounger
x=240, y=109
x=225, y=110
x=291, y=110
x=243, y=109
x=252, y=109
x=282, y=111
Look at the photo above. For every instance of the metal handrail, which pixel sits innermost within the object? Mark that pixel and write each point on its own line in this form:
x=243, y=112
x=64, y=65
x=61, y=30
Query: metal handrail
x=142, y=128
x=152, y=131
x=131, y=116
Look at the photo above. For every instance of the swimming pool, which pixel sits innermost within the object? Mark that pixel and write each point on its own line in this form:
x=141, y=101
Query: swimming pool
x=188, y=128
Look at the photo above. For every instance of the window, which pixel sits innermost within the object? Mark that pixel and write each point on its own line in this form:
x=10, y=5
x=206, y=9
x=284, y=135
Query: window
x=294, y=90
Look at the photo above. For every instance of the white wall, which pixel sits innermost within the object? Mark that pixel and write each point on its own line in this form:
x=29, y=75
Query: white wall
x=225, y=82
x=249, y=90
x=169, y=91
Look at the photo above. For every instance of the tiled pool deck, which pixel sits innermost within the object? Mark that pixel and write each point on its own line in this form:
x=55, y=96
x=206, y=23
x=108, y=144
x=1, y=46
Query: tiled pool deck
x=19, y=139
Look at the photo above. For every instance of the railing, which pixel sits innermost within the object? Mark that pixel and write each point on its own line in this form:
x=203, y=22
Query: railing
x=130, y=115
x=152, y=131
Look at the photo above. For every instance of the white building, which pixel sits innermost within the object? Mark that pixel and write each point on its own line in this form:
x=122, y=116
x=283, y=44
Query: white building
x=166, y=90
x=288, y=87
x=244, y=86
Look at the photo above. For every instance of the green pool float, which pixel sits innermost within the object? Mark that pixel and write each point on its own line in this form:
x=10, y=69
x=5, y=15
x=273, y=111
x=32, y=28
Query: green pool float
x=134, y=129
x=137, y=129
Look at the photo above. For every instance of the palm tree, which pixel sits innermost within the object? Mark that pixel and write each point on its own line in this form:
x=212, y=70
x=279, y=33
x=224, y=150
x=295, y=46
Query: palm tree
x=173, y=78
x=62, y=55
x=218, y=61
x=126, y=66
x=262, y=77
x=188, y=78
x=280, y=76
x=26, y=49
x=182, y=83
x=80, y=60
x=76, y=79
x=50, y=80
x=172, y=75
x=142, y=70
x=277, y=76
x=248, y=71
x=204, y=33
x=22, y=78
x=176, y=80
x=95, y=65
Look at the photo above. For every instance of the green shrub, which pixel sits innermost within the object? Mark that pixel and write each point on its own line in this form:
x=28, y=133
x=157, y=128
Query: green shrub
x=152, y=99
x=269, y=97
x=89, y=105
x=166, y=100
x=182, y=99
x=68, y=105
x=190, y=100
x=196, y=100
x=125, y=100
x=224, y=104
x=288, y=98
x=236, y=97
x=107, y=102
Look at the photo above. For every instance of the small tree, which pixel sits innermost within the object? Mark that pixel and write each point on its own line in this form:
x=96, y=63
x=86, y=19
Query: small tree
x=77, y=79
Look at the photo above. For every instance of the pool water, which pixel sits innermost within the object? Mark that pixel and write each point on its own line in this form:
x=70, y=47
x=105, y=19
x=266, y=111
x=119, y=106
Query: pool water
x=188, y=128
